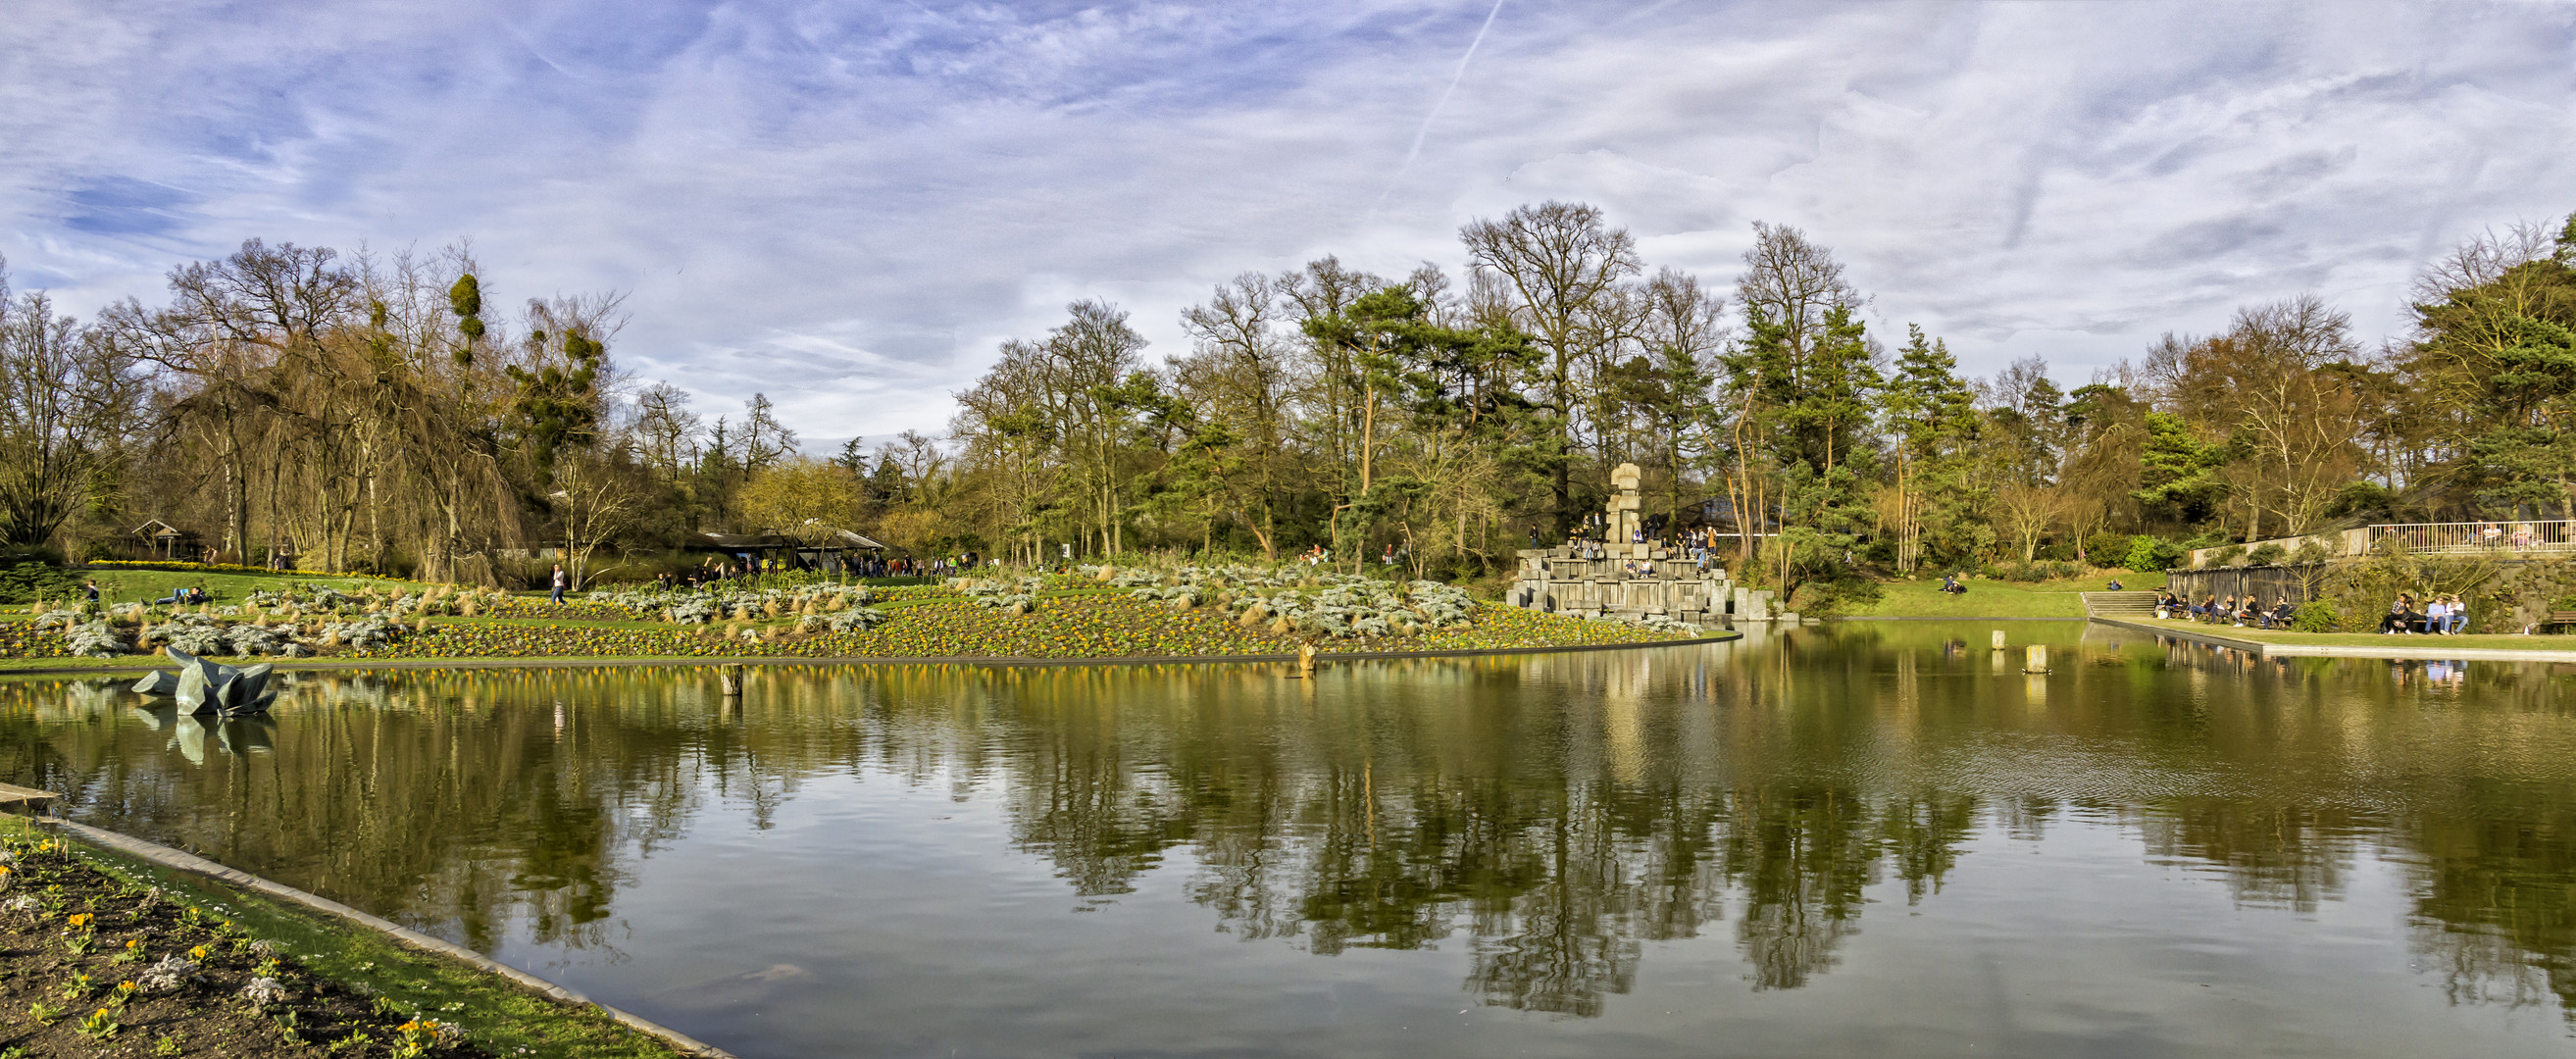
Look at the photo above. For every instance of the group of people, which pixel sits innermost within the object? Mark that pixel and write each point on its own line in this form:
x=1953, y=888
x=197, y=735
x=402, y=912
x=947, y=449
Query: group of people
x=2443, y=615
x=189, y=596
x=2213, y=608
x=2493, y=536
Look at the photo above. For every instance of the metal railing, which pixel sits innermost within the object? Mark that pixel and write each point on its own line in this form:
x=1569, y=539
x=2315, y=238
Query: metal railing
x=2498, y=537
x=2502, y=538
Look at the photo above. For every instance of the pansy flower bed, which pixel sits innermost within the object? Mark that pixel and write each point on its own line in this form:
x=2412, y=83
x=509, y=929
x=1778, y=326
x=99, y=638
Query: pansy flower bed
x=933, y=624
x=99, y=966
x=1068, y=627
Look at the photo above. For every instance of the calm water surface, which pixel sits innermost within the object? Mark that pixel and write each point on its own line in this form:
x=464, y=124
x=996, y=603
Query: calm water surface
x=1863, y=839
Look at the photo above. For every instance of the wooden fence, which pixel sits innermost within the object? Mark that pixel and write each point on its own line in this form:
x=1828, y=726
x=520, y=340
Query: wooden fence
x=2267, y=583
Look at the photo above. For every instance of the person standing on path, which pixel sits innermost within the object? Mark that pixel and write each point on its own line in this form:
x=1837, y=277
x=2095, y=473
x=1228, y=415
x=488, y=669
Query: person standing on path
x=562, y=581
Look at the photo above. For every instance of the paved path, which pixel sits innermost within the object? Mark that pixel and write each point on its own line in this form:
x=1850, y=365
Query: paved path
x=2425, y=647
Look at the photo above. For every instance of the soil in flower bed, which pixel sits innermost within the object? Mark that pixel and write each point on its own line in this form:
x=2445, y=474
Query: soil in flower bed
x=91, y=965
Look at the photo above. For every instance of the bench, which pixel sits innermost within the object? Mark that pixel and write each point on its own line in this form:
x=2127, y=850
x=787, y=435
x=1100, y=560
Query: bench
x=2558, y=617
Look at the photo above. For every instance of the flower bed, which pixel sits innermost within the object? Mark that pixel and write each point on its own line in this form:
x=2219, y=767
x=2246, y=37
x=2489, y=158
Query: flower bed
x=1068, y=627
x=102, y=966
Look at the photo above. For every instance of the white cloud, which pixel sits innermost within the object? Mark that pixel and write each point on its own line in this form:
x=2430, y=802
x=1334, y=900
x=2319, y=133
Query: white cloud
x=848, y=205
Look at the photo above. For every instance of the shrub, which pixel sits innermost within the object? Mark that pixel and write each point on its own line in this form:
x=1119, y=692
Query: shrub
x=2034, y=572
x=2105, y=548
x=2310, y=554
x=27, y=577
x=2267, y=553
x=2152, y=554
x=2316, y=616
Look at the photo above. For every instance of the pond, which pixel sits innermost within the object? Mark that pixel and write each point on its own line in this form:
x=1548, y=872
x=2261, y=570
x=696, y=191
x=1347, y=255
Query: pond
x=1860, y=838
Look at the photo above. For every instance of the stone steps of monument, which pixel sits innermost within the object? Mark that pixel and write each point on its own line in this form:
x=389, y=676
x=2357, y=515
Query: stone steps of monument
x=2119, y=604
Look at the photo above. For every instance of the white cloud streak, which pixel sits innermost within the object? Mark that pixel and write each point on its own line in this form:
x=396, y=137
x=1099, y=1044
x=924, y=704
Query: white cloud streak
x=849, y=205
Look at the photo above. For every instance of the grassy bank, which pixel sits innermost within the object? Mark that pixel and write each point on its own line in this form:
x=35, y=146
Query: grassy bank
x=1984, y=599
x=89, y=928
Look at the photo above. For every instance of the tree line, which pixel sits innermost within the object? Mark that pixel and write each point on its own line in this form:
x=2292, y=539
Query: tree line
x=380, y=413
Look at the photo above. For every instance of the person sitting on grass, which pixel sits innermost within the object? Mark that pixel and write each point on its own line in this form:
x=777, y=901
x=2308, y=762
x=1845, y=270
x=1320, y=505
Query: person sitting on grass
x=2225, y=610
x=181, y=596
x=2165, y=603
x=2115, y=584
x=1950, y=585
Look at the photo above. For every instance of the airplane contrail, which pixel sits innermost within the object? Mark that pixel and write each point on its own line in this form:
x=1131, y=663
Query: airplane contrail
x=1425, y=129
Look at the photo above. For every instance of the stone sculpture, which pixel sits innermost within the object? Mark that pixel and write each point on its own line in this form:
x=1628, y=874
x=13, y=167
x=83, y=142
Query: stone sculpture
x=1624, y=578
x=212, y=688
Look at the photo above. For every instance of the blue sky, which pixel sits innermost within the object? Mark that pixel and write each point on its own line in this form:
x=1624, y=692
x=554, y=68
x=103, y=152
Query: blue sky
x=848, y=205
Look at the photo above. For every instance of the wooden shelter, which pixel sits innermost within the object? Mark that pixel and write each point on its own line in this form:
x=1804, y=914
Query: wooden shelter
x=826, y=556
x=162, y=540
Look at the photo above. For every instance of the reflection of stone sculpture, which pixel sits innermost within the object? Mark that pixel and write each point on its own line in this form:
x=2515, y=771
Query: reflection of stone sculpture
x=204, y=687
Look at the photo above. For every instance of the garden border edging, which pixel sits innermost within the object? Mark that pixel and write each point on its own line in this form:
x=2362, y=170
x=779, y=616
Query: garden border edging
x=178, y=860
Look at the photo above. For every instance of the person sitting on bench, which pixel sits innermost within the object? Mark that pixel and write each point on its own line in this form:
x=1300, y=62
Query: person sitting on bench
x=2279, y=616
x=2401, y=617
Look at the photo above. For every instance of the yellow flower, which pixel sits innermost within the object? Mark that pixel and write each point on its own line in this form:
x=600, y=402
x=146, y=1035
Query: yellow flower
x=198, y=953
x=81, y=919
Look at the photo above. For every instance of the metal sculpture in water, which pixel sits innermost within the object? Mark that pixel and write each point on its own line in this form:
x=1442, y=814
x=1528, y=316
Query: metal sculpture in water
x=205, y=687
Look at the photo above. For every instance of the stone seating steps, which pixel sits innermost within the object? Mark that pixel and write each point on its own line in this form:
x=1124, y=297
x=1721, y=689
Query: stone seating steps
x=2119, y=604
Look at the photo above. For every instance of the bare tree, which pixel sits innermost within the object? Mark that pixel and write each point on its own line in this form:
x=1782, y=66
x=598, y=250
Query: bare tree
x=1563, y=264
x=67, y=401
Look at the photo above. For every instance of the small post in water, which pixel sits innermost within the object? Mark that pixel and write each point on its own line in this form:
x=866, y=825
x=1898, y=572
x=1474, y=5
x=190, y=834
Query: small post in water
x=1999, y=639
x=2034, y=658
x=730, y=677
x=1306, y=660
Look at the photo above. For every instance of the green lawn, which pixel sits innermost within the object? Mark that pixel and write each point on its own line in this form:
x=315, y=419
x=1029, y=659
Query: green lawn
x=1923, y=598
x=134, y=586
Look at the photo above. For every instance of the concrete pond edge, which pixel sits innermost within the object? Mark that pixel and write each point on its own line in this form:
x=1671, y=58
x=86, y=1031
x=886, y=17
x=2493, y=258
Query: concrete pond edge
x=2394, y=651
x=144, y=663
x=177, y=860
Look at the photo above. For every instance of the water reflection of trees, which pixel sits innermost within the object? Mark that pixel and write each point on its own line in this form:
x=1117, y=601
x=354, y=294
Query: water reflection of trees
x=1402, y=814
x=1550, y=817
